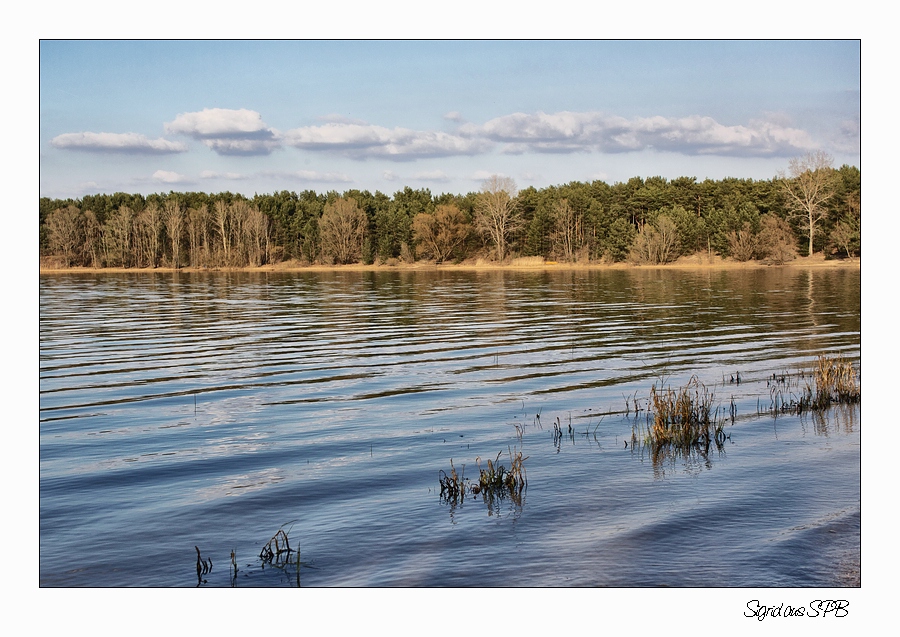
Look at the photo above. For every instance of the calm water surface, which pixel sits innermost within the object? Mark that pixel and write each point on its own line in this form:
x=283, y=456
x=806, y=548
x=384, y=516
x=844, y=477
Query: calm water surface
x=211, y=410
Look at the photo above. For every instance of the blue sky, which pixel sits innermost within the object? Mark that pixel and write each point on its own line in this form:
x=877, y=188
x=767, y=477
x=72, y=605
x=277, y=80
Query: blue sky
x=145, y=116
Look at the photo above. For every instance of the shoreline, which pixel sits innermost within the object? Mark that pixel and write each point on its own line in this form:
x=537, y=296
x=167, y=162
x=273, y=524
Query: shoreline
x=683, y=263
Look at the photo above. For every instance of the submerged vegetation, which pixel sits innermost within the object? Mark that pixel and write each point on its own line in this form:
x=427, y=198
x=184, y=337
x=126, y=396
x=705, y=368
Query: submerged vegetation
x=498, y=479
x=652, y=220
x=684, y=422
x=495, y=481
x=276, y=552
x=681, y=423
x=834, y=381
x=204, y=566
x=688, y=419
x=453, y=485
x=278, y=549
x=684, y=417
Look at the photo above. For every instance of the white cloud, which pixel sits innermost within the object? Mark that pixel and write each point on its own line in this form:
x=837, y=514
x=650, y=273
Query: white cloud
x=453, y=116
x=227, y=131
x=169, y=177
x=567, y=132
x=134, y=143
x=362, y=141
x=218, y=122
x=390, y=175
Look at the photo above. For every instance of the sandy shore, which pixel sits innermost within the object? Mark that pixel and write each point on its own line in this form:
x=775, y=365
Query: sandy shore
x=694, y=262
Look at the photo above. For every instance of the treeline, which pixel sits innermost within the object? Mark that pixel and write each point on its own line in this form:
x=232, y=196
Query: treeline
x=651, y=220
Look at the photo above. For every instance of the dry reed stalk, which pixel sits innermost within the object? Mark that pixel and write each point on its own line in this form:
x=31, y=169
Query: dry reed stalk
x=204, y=566
x=835, y=381
x=453, y=486
x=276, y=547
x=682, y=418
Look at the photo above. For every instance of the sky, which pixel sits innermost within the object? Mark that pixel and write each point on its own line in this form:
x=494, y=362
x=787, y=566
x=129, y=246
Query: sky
x=264, y=116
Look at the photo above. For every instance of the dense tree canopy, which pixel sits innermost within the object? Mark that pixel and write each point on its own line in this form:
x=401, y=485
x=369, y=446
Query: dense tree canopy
x=648, y=220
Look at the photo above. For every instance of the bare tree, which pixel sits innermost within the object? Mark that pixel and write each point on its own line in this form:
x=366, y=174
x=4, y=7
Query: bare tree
x=843, y=237
x=669, y=243
x=743, y=244
x=255, y=234
x=568, y=235
x=93, y=239
x=198, y=232
x=239, y=214
x=809, y=185
x=655, y=244
x=776, y=239
x=173, y=216
x=496, y=212
x=66, y=233
x=118, y=238
x=440, y=233
x=222, y=217
x=342, y=229
x=149, y=226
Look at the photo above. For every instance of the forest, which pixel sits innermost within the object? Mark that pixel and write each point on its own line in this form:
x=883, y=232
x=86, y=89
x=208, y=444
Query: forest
x=812, y=208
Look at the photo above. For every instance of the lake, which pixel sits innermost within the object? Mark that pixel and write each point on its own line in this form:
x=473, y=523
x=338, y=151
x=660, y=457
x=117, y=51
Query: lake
x=213, y=410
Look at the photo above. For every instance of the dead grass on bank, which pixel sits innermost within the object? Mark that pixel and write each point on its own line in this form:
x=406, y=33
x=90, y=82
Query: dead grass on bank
x=692, y=262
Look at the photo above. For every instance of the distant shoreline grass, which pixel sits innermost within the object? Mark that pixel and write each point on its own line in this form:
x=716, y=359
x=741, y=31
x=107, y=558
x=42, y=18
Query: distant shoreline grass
x=694, y=262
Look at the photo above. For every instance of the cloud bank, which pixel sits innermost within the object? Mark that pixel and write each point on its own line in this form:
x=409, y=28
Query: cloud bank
x=363, y=141
x=242, y=132
x=130, y=143
x=563, y=132
x=568, y=132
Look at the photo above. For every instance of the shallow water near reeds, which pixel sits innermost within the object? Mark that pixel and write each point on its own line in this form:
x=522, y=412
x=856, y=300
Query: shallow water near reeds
x=213, y=409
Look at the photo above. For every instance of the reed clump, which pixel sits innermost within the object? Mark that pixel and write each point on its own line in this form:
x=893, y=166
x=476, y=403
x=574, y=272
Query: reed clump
x=494, y=481
x=835, y=381
x=684, y=417
x=498, y=479
x=453, y=485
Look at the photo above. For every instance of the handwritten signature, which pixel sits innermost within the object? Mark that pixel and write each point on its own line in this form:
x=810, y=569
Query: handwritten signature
x=816, y=608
